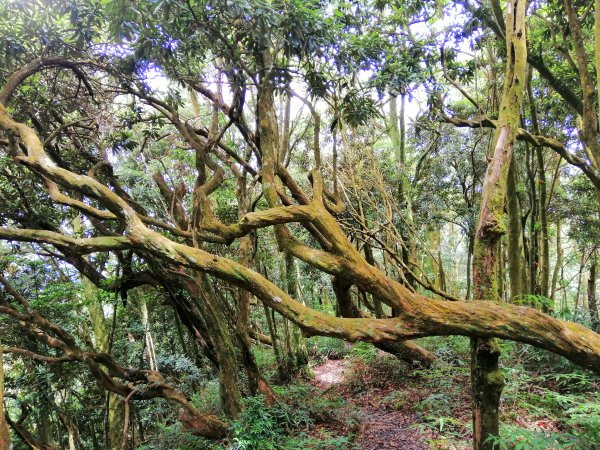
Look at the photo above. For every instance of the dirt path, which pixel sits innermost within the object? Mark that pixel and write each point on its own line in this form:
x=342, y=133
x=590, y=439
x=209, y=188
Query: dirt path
x=329, y=373
x=381, y=427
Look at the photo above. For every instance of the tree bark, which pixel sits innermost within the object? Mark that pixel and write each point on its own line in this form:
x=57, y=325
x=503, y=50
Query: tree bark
x=487, y=379
x=4, y=431
x=516, y=269
x=114, y=405
x=592, y=299
x=557, y=269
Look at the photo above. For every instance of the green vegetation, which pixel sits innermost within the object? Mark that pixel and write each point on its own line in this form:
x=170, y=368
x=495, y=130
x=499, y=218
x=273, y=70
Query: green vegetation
x=299, y=224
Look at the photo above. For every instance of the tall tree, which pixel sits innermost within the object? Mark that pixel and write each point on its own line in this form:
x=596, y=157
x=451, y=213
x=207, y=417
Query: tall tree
x=486, y=376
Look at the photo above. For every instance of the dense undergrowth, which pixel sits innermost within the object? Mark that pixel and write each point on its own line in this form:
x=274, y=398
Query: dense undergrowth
x=547, y=402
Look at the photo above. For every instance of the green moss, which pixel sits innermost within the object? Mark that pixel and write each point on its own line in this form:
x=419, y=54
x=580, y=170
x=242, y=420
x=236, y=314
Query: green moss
x=495, y=378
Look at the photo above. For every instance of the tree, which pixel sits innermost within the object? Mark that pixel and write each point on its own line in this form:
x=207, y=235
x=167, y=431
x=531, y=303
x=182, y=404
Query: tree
x=178, y=234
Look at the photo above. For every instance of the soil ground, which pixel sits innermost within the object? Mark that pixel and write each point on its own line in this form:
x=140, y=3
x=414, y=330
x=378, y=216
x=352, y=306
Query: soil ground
x=384, y=412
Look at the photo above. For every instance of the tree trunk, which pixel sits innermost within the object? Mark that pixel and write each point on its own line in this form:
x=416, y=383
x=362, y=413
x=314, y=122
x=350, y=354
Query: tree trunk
x=543, y=234
x=487, y=379
x=114, y=404
x=592, y=300
x=516, y=269
x=540, y=252
x=4, y=431
x=225, y=350
x=377, y=305
x=579, y=276
x=397, y=134
x=557, y=269
x=256, y=382
x=471, y=243
x=299, y=350
x=149, y=341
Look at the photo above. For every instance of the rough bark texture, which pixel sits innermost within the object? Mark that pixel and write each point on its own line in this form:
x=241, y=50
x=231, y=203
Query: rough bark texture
x=486, y=377
x=487, y=382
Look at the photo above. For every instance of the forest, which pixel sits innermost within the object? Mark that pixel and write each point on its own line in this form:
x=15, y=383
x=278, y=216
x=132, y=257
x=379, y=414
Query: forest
x=299, y=224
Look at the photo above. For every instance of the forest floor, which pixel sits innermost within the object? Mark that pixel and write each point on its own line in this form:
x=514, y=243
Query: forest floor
x=371, y=401
x=355, y=397
x=390, y=412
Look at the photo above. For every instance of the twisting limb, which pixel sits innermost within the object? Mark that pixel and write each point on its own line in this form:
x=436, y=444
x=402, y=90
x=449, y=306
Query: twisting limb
x=38, y=65
x=81, y=245
x=36, y=356
x=418, y=316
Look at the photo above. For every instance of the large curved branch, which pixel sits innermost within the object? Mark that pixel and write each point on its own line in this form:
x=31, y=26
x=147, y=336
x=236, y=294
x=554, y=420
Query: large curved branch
x=419, y=316
x=38, y=65
x=262, y=219
x=36, y=356
x=81, y=245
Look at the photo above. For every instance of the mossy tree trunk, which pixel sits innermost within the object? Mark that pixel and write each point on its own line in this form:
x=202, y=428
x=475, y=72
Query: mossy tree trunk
x=299, y=350
x=516, y=260
x=4, y=431
x=486, y=377
x=114, y=405
x=592, y=299
x=223, y=344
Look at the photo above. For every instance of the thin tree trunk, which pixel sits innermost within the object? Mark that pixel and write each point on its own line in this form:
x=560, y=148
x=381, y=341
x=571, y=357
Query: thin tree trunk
x=4, y=431
x=114, y=405
x=557, y=268
x=150, y=351
x=592, y=300
x=579, y=276
x=469, y=264
x=543, y=234
x=299, y=350
x=281, y=368
x=540, y=245
x=516, y=264
x=397, y=134
x=377, y=304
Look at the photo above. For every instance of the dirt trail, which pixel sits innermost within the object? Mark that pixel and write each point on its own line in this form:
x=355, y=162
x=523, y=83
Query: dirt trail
x=329, y=373
x=380, y=428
